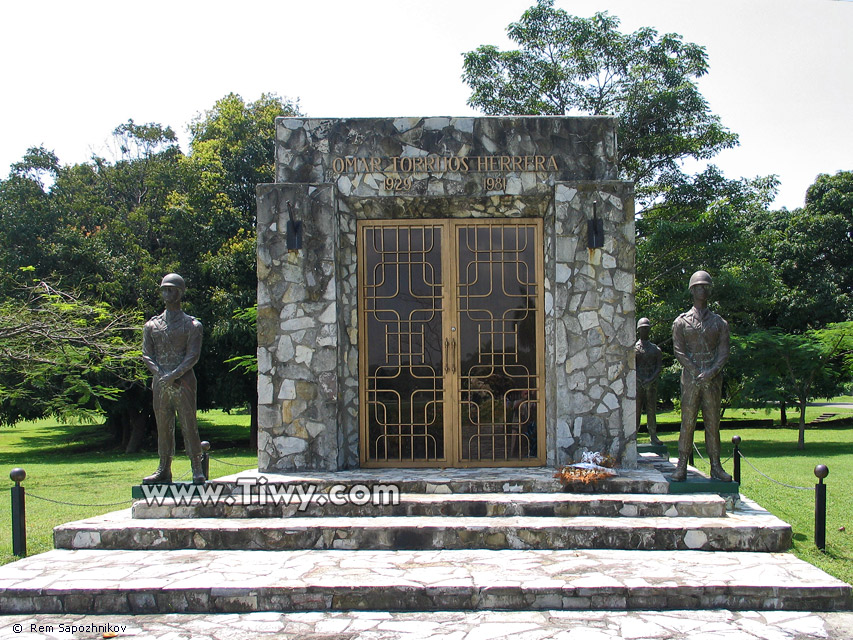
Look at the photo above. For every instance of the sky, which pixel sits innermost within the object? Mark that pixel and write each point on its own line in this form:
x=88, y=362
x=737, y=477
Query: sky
x=780, y=70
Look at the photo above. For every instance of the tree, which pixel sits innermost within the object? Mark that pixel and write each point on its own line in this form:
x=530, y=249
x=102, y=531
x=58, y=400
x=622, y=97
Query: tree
x=704, y=222
x=62, y=356
x=778, y=366
x=811, y=250
x=232, y=151
x=109, y=229
x=27, y=221
x=567, y=64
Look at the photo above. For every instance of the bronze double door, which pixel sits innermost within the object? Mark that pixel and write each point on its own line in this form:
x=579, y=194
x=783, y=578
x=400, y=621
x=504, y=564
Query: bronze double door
x=451, y=351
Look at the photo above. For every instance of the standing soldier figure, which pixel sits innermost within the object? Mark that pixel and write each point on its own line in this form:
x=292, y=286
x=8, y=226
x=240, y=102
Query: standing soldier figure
x=700, y=340
x=171, y=345
x=649, y=364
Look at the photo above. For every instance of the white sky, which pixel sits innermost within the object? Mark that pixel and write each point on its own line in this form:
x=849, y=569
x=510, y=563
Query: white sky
x=781, y=70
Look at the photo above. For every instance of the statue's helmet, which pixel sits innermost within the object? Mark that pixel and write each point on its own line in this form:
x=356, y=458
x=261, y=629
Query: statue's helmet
x=700, y=277
x=644, y=322
x=173, y=280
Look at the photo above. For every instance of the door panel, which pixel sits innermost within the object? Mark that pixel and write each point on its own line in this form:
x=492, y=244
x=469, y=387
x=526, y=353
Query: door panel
x=497, y=304
x=451, y=310
x=402, y=298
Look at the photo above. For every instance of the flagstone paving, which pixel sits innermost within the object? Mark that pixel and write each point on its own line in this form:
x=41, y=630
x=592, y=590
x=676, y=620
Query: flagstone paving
x=125, y=581
x=472, y=540
x=455, y=625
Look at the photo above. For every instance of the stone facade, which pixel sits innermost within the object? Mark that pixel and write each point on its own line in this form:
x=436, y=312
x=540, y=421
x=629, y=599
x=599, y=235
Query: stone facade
x=336, y=172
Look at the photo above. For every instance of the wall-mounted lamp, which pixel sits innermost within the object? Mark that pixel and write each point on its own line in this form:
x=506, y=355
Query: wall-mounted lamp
x=595, y=230
x=294, y=230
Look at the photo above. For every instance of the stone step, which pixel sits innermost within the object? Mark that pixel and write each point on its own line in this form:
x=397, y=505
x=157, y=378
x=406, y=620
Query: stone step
x=643, y=480
x=739, y=531
x=562, y=505
x=114, y=582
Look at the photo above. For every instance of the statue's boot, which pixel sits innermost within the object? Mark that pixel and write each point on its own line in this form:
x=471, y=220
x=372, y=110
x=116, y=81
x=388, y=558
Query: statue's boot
x=717, y=470
x=653, y=434
x=163, y=475
x=198, y=471
x=685, y=444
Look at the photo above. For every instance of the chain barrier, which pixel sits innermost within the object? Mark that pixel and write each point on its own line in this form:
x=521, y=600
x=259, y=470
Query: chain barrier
x=699, y=453
x=230, y=464
x=76, y=504
x=790, y=486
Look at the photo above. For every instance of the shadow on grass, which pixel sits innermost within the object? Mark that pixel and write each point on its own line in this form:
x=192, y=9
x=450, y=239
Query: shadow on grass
x=825, y=449
x=61, y=443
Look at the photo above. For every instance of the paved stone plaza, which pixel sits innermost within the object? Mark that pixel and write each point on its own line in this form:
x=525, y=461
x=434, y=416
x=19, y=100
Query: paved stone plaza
x=475, y=625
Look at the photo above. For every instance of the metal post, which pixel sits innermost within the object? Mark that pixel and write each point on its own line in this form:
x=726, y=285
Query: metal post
x=736, y=457
x=205, y=459
x=691, y=459
x=821, y=471
x=19, y=514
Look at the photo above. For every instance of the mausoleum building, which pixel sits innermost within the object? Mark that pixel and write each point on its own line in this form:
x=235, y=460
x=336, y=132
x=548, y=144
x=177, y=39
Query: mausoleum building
x=445, y=292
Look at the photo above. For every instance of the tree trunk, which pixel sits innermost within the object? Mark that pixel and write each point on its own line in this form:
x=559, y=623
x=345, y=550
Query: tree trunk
x=801, y=439
x=783, y=414
x=253, y=426
x=137, y=423
x=113, y=425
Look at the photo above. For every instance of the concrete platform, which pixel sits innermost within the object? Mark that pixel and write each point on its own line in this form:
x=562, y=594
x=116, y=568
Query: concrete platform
x=693, y=485
x=103, y=581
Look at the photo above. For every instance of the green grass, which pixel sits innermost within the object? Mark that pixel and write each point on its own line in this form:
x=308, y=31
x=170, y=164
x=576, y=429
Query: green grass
x=77, y=464
x=774, y=453
x=672, y=419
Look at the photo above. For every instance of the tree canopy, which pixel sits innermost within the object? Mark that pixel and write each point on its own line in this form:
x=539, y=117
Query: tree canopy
x=780, y=276
x=105, y=231
x=566, y=64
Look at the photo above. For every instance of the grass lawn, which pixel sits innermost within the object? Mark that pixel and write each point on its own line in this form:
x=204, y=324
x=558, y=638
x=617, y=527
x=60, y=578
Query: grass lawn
x=77, y=464
x=773, y=452
x=672, y=419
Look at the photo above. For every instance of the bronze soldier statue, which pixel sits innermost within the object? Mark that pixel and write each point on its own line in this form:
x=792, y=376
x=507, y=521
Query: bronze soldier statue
x=700, y=340
x=649, y=364
x=171, y=345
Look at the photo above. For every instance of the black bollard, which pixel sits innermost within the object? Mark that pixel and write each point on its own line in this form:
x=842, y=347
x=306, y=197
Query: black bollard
x=821, y=471
x=205, y=459
x=691, y=459
x=736, y=458
x=19, y=514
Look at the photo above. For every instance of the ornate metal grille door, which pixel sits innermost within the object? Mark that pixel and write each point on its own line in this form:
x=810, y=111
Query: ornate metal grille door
x=450, y=348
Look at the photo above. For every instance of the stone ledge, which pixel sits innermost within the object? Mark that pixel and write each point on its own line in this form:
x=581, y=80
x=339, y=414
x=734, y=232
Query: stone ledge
x=644, y=480
x=758, y=531
x=497, y=625
x=563, y=505
x=94, y=581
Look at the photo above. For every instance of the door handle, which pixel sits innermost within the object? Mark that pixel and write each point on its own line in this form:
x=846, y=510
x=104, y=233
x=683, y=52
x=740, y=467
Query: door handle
x=446, y=355
x=453, y=359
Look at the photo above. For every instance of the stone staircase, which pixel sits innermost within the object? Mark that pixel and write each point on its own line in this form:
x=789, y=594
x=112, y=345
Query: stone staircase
x=457, y=539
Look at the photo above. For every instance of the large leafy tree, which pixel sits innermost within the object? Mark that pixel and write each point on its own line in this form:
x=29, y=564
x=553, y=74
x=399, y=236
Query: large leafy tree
x=63, y=356
x=811, y=250
x=566, y=64
x=777, y=366
x=109, y=229
x=705, y=222
x=232, y=151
